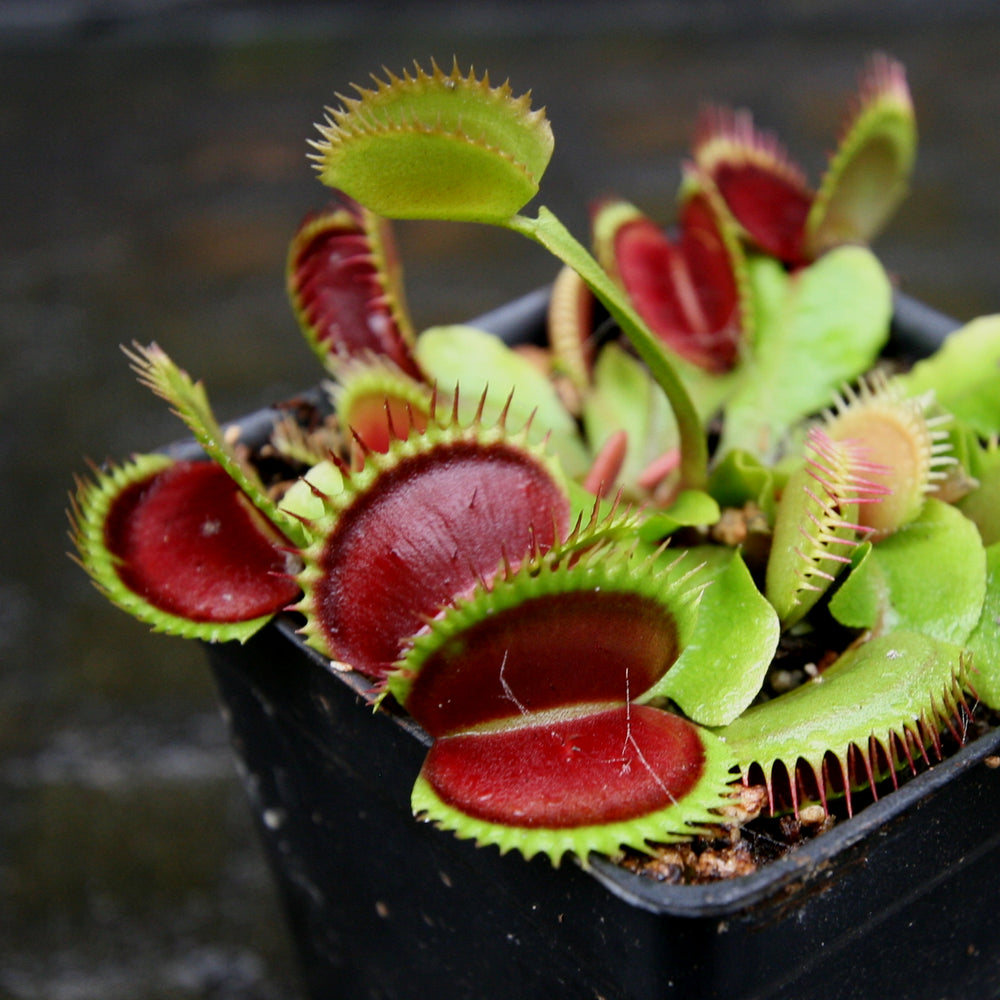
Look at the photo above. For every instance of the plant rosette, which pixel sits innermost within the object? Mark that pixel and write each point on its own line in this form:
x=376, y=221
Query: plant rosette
x=710, y=544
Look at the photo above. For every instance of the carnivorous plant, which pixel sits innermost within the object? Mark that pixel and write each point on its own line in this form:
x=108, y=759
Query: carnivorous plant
x=710, y=542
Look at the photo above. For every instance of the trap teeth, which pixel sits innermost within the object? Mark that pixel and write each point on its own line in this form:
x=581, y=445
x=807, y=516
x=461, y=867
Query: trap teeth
x=908, y=451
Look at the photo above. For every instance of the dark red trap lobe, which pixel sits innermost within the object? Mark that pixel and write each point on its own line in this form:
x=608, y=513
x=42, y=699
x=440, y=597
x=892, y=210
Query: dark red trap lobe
x=549, y=652
x=607, y=767
x=423, y=535
x=191, y=544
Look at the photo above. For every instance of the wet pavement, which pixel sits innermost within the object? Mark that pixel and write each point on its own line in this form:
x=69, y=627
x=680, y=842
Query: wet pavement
x=153, y=170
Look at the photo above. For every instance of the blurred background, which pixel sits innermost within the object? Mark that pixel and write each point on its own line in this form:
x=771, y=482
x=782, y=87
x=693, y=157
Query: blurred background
x=152, y=160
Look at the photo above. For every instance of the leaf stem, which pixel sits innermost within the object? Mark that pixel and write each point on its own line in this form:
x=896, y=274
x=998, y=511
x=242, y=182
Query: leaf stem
x=548, y=231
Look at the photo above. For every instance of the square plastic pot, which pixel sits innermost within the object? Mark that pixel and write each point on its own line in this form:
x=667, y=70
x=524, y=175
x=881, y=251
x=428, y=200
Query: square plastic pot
x=898, y=902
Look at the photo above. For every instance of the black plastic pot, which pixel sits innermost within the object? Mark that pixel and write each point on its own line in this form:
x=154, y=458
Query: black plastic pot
x=898, y=902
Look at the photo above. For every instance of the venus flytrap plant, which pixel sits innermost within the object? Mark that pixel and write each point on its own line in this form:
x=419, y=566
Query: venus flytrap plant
x=692, y=290
x=910, y=449
x=193, y=549
x=582, y=569
x=179, y=547
x=345, y=289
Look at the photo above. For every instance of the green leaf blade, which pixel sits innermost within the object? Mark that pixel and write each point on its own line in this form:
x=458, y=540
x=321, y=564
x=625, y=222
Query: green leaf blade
x=984, y=642
x=724, y=660
x=487, y=373
x=964, y=375
x=928, y=577
x=817, y=329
